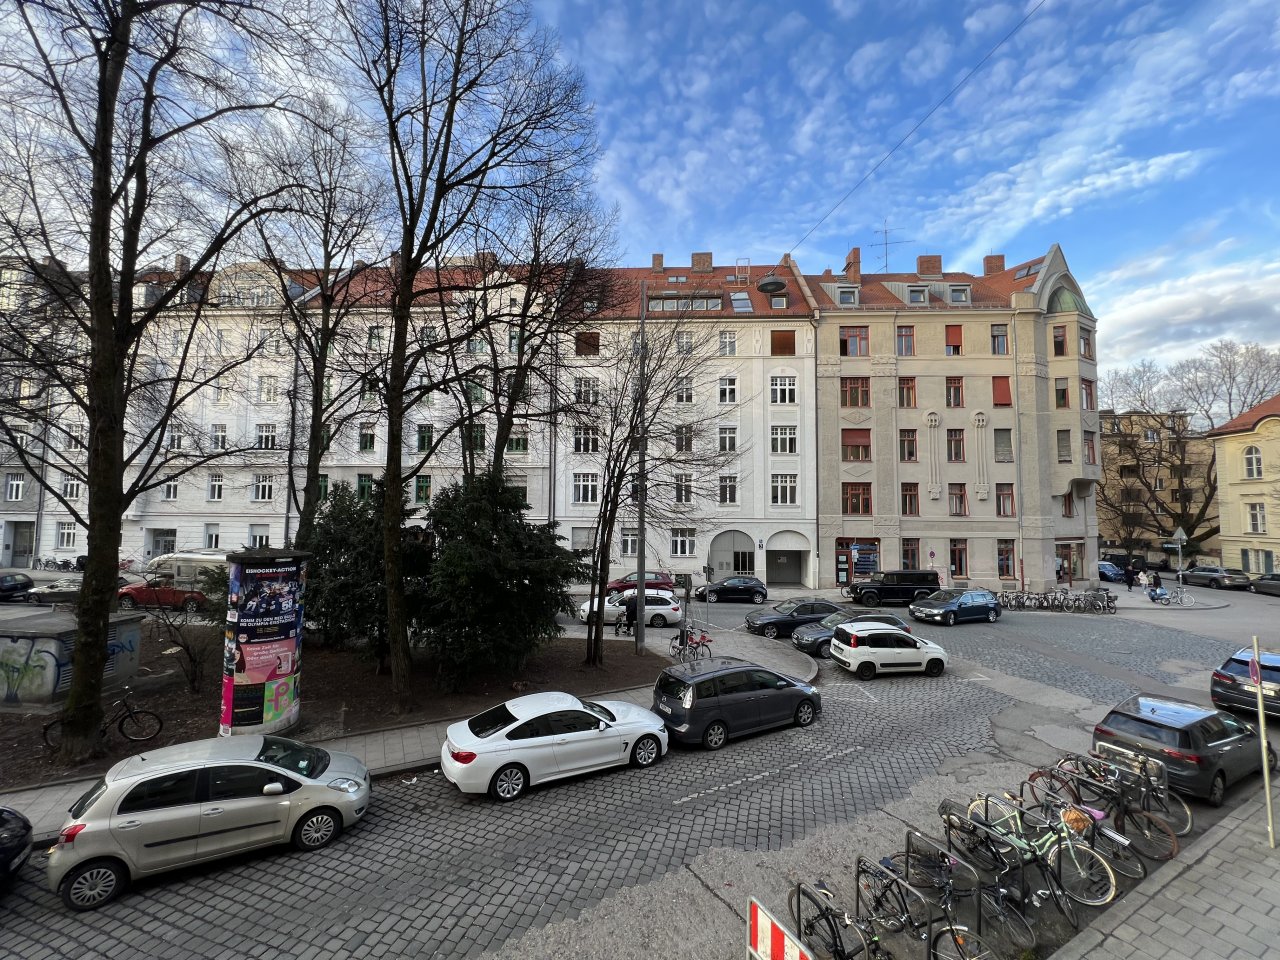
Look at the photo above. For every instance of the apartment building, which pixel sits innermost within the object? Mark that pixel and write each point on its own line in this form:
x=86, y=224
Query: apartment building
x=1248, y=462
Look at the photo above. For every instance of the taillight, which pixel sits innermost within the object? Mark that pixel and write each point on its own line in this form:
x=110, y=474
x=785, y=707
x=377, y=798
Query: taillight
x=1103, y=731
x=906, y=629
x=853, y=640
x=1223, y=677
x=462, y=756
x=1194, y=758
x=69, y=834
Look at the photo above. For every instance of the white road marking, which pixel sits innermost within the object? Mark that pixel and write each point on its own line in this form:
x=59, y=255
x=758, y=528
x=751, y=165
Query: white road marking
x=761, y=775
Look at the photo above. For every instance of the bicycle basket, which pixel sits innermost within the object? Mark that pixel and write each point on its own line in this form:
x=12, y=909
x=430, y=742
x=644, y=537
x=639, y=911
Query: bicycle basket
x=1076, y=819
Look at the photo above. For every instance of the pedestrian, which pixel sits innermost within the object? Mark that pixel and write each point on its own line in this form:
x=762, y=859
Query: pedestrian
x=1142, y=580
x=1157, y=588
x=1129, y=574
x=629, y=612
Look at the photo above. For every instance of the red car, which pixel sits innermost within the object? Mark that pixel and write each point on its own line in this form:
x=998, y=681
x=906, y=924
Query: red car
x=653, y=580
x=160, y=592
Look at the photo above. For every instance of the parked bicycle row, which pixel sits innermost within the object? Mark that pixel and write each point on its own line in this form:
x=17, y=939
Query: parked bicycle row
x=1063, y=837
x=1099, y=600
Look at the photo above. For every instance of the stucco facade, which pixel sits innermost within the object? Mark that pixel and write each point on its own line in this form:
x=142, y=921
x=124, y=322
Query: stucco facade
x=1248, y=458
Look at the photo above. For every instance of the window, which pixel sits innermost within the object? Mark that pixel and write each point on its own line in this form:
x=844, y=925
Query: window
x=907, y=445
x=1151, y=435
x=955, y=391
x=960, y=558
x=1005, y=506
x=782, y=343
x=476, y=345
x=684, y=390
x=267, y=436
x=364, y=486
x=848, y=296
x=1252, y=463
x=728, y=343
x=212, y=536
x=855, y=499
x=426, y=436
x=782, y=439
x=682, y=541
x=1090, y=447
x=218, y=436
x=366, y=437
x=422, y=489
x=684, y=343
x=911, y=553
x=1257, y=517
x=1087, y=396
x=514, y=339
x=855, y=445
x=955, y=340
x=729, y=488
x=684, y=438
x=586, y=390
x=586, y=488
x=1061, y=393
x=782, y=389
x=326, y=438
x=175, y=438
x=728, y=439
x=1002, y=442
x=854, y=341
x=959, y=294
x=1068, y=505
x=629, y=542
x=263, y=487
x=259, y=536
x=783, y=488
x=918, y=295
x=999, y=339
x=518, y=443
x=268, y=390
x=1001, y=394
x=728, y=390
x=907, y=392
x=66, y=535
x=14, y=482
x=683, y=484
x=168, y=790
x=373, y=340
x=70, y=487
x=741, y=301
x=1064, y=446
x=855, y=391
x=910, y=500
x=586, y=343
x=1086, y=344
x=369, y=388
x=778, y=302
x=586, y=439
x=905, y=342
x=1004, y=559
x=323, y=483
x=955, y=446
x=473, y=438
x=1158, y=485
x=76, y=437
x=169, y=491
x=957, y=500
x=1059, y=341
x=215, y=486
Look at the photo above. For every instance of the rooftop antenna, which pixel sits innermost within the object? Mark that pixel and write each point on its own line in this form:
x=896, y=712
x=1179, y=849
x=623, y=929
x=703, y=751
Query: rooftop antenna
x=886, y=243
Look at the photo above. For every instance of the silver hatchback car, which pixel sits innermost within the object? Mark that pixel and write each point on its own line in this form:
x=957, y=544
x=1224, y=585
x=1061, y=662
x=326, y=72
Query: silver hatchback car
x=198, y=801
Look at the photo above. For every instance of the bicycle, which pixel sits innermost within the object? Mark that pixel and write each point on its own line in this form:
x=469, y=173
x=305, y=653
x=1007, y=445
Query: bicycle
x=896, y=906
x=133, y=724
x=687, y=648
x=1047, y=803
x=1178, y=596
x=1148, y=778
x=1097, y=781
x=822, y=927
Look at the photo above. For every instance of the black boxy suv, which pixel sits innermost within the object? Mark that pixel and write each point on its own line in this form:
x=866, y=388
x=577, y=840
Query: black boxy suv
x=895, y=586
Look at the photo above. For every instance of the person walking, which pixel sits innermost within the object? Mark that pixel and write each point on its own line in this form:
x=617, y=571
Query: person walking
x=1129, y=574
x=1142, y=580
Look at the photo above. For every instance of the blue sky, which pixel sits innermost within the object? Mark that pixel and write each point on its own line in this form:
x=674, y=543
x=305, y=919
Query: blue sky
x=1141, y=136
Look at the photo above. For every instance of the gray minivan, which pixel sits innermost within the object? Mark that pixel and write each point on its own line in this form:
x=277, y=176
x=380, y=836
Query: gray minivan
x=709, y=701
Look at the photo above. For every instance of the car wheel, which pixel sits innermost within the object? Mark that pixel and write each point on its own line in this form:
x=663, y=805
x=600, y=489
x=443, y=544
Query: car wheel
x=933, y=668
x=1252, y=588
x=612, y=592
x=824, y=650
x=869, y=598
x=1218, y=789
x=90, y=885
x=317, y=828
x=993, y=616
x=715, y=735
x=758, y=597
x=646, y=752
x=127, y=603
x=1214, y=585
x=509, y=783
x=191, y=605
x=949, y=618
x=866, y=671
x=658, y=620
x=771, y=632
x=713, y=597
x=805, y=713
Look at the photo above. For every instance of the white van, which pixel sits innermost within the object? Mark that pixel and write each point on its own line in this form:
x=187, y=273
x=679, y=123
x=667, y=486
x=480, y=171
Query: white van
x=184, y=566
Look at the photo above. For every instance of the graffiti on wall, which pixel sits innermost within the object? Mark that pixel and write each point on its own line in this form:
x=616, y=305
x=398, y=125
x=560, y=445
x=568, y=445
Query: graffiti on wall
x=38, y=669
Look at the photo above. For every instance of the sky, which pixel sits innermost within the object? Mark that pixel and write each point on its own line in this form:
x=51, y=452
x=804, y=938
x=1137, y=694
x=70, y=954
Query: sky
x=1143, y=137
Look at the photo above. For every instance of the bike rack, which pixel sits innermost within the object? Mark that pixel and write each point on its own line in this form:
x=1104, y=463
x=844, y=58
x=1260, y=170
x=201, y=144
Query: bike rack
x=1133, y=763
x=918, y=843
x=955, y=819
x=866, y=867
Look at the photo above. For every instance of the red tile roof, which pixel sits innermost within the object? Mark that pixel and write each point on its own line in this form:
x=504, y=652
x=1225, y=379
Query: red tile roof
x=1250, y=418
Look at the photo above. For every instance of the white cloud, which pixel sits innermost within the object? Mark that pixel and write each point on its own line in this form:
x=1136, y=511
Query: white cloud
x=983, y=23
x=845, y=9
x=927, y=57
x=868, y=63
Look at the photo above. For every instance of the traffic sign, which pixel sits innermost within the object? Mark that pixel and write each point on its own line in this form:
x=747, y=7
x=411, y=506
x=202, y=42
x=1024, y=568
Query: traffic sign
x=1179, y=536
x=931, y=554
x=1255, y=674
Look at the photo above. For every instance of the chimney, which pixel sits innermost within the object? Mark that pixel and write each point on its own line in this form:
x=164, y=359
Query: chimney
x=181, y=265
x=853, y=265
x=929, y=265
x=700, y=263
x=992, y=263
x=657, y=263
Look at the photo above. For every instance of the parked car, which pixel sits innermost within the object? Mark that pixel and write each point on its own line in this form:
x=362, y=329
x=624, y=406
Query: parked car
x=176, y=806
x=15, y=844
x=954, y=606
x=1267, y=583
x=160, y=592
x=712, y=701
x=14, y=587
x=1110, y=573
x=660, y=608
x=780, y=620
x=733, y=588
x=1203, y=750
x=547, y=736
x=1120, y=561
x=895, y=586
x=1216, y=577
x=67, y=590
x=815, y=638
x=1232, y=688
x=868, y=649
x=652, y=579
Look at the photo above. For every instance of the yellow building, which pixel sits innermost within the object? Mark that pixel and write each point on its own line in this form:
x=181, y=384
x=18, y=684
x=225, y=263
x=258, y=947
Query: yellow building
x=1248, y=455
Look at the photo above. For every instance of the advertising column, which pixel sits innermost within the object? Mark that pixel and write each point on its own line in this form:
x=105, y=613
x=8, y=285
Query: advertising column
x=263, y=645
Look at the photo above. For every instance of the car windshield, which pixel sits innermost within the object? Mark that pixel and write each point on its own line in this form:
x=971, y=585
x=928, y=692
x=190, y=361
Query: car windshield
x=1233, y=571
x=786, y=606
x=299, y=758
x=87, y=799
x=602, y=712
x=491, y=721
x=834, y=619
x=947, y=595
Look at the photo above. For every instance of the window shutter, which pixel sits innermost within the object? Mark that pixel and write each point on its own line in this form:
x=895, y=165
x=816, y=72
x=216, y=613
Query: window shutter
x=782, y=343
x=1001, y=396
x=955, y=335
x=855, y=438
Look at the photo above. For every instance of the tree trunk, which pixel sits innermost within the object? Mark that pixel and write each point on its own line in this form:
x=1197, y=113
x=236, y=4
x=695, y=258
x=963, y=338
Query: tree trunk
x=315, y=454
x=392, y=537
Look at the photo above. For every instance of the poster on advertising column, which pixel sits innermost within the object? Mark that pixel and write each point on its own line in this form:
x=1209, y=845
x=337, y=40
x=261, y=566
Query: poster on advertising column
x=262, y=645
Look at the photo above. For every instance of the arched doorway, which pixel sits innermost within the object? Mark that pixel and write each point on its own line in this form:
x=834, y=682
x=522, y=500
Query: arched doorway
x=732, y=553
x=786, y=559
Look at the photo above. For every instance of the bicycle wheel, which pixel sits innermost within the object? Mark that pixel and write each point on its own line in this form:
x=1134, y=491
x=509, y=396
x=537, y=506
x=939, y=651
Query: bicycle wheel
x=959, y=943
x=1087, y=782
x=675, y=648
x=1149, y=835
x=53, y=733
x=1085, y=874
x=1066, y=906
x=1173, y=810
x=927, y=872
x=1015, y=927
x=1124, y=860
x=703, y=651
x=1187, y=600
x=1045, y=784
x=1003, y=818
x=883, y=903
x=139, y=725
x=813, y=922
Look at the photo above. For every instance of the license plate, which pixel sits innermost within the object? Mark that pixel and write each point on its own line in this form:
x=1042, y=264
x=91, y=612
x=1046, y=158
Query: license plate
x=16, y=863
x=1250, y=687
x=664, y=708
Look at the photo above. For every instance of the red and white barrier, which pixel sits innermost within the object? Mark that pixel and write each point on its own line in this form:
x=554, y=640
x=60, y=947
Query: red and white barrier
x=767, y=939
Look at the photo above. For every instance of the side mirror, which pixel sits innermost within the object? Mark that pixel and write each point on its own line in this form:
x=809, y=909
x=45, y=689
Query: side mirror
x=273, y=789
x=782, y=684
x=602, y=726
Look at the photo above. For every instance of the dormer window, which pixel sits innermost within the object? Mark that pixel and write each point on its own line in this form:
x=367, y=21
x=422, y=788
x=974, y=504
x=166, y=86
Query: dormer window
x=918, y=295
x=848, y=296
x=959, y=294
x=778, y=302
x=679, y=279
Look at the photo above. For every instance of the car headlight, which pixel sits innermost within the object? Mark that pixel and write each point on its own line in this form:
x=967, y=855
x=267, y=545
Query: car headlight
x=345, y=785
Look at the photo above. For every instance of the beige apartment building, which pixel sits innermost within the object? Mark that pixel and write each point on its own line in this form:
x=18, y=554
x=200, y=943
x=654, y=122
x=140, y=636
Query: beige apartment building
x=957, y=422
x=1248, y=457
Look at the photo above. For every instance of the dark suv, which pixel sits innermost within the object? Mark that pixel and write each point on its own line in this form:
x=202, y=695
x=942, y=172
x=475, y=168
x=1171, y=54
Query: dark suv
x=1203, y=749
x=709, y=701
x=1233, y=689
x=895, y=586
